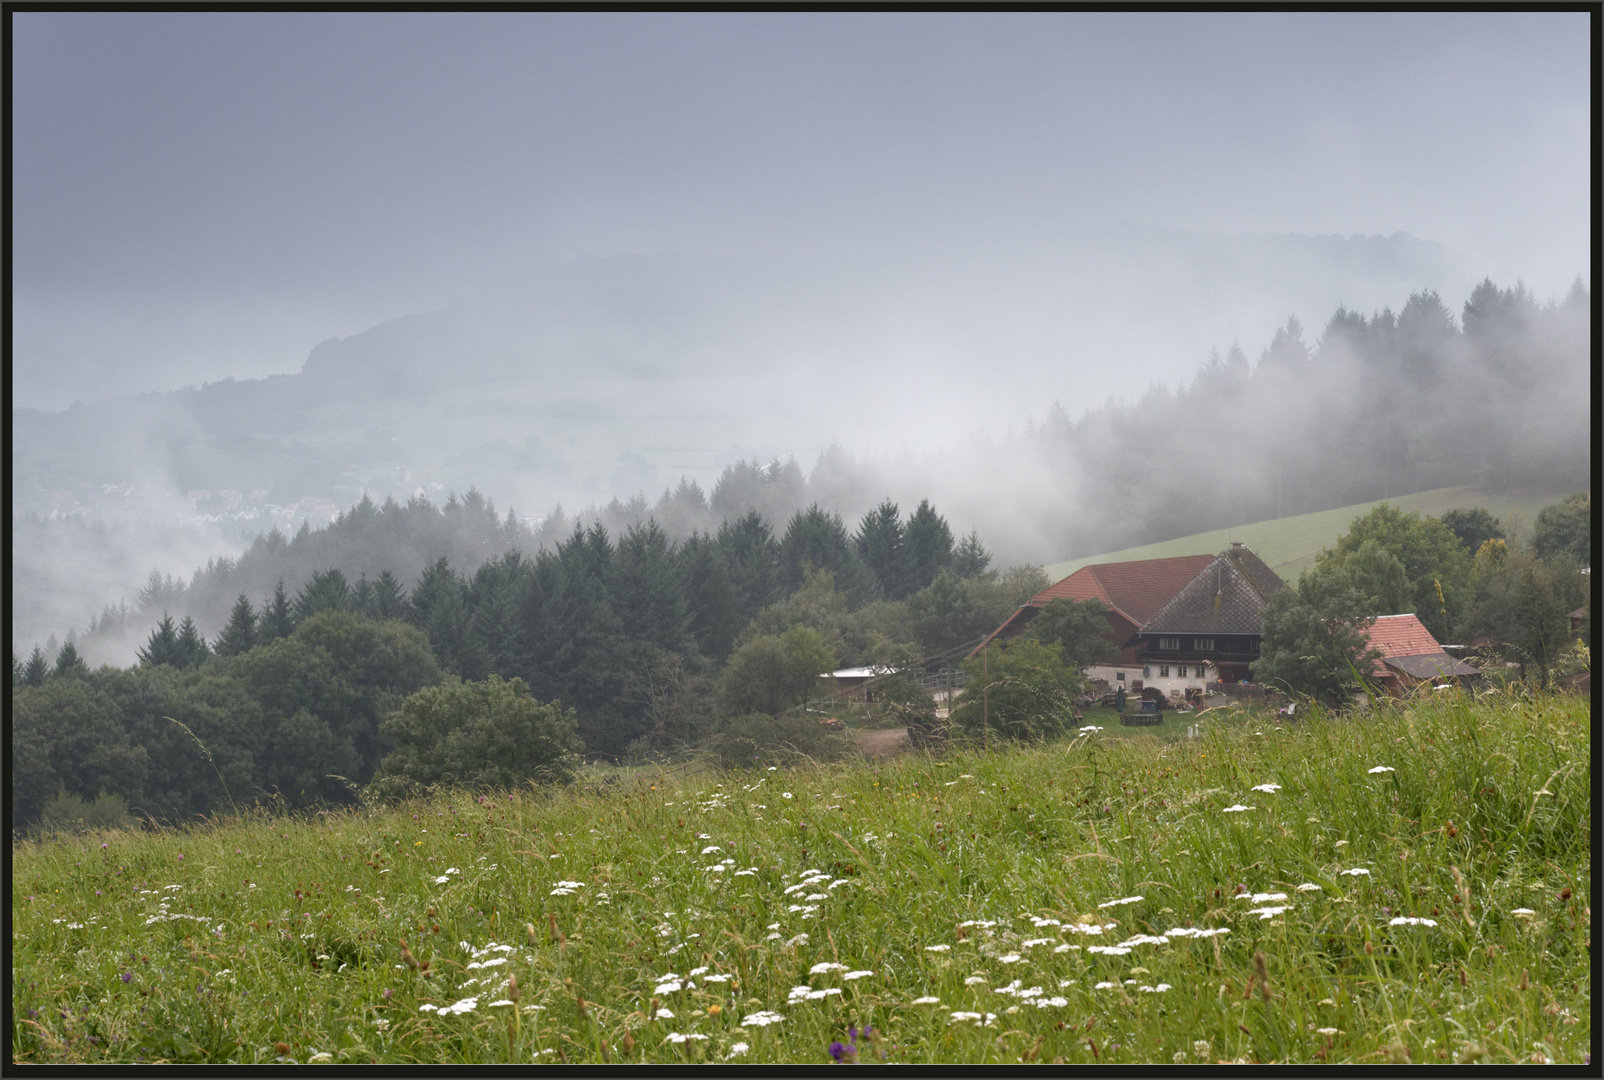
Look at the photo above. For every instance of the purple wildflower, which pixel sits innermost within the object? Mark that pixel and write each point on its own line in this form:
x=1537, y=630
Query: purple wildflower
x=128, y=977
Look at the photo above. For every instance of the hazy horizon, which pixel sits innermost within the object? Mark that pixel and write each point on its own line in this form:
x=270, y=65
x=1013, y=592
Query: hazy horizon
x=205, y=196
x=568, y=257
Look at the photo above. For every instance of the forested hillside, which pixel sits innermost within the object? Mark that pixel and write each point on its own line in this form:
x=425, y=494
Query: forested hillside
x=1371, y=408
x=649, y=643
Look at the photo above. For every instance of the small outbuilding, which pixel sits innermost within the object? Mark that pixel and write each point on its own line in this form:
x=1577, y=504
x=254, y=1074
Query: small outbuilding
x=1410, y=655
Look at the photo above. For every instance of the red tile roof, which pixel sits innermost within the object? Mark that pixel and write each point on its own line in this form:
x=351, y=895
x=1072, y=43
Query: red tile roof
x=1137, y=590
x=1401, y=635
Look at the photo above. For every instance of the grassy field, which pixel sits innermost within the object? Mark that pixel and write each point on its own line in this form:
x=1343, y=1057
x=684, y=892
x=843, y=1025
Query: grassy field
x=1408, y=886
x=1290, y=544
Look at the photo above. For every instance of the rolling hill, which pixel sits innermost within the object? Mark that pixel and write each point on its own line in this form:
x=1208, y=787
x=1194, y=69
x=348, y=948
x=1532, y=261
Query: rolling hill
x=1290, y=544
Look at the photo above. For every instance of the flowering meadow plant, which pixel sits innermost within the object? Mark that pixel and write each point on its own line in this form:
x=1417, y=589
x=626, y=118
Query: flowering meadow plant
x=1096, y=901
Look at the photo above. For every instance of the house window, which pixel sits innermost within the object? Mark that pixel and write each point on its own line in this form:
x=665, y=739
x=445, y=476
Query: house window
x=1163, y=671
x=1169, y=644
x=1119, y=676
x=1203, y=644
x=1181, y=671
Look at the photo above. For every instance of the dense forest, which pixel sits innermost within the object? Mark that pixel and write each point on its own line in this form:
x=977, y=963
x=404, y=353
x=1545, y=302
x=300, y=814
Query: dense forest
x=644, y=639
x=274, y=672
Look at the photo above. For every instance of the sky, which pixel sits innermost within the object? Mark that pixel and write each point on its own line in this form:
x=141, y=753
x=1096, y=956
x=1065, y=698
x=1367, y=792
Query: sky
x=199, y=195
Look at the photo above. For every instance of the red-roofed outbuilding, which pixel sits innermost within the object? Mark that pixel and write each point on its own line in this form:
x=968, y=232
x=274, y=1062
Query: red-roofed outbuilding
x=1410, y=655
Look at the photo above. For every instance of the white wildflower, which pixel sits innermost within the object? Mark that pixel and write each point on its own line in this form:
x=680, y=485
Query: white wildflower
x=761, y=1019
x=1383, y=768
x=1268, y=788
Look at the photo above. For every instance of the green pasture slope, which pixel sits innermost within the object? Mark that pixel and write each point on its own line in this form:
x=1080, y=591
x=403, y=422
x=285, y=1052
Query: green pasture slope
x=1411, y=886
x=1290, y=544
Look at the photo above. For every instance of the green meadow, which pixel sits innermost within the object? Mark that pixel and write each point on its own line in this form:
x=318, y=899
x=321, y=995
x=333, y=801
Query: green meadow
x=1407, y=885
x=1289, y=544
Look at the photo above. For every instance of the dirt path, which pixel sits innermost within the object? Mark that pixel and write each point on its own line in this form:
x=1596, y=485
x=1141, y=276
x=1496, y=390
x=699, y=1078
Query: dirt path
x=882, y=743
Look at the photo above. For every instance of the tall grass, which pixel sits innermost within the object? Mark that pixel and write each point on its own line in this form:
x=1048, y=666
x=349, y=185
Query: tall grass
x=975, y=893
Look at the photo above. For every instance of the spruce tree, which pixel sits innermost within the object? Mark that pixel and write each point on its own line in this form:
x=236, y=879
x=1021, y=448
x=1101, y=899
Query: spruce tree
x=880, y=543
x=191, y=646
x=17, y=673
x=389, y=599
x=162, y=648
x=362, y=596
x=38, y=667
x=971, y=559
x=929, y=545
x=69, y=663
x=440, y=610
x=278, y=618
x=817, y=538
x=327, y=591
x=752, y=556
x=239, y=635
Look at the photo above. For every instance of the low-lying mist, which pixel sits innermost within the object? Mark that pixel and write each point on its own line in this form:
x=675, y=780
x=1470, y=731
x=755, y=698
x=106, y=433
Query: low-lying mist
x=1493, y=392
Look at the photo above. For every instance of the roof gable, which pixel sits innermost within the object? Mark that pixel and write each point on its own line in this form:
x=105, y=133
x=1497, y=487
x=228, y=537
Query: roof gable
x=1399, y=636
x=1226, y=597
x=1137, y=590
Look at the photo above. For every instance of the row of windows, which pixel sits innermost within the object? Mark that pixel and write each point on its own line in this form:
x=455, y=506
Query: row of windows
x=1164, y=671
x=1173, y=644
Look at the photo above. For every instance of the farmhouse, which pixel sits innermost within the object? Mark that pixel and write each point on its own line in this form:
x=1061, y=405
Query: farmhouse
x=1132, y=593
x=1215, y=619
x=1181, y=623
x=1411, y=656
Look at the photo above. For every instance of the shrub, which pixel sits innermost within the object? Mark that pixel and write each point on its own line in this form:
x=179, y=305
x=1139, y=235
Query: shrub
x=1022, y=691
x=477, y=734
x=67, y=812
x=759, y=739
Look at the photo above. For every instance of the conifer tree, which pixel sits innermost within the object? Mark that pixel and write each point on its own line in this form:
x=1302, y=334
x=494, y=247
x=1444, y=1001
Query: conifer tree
x=929, y=543
x=971, y=559
x=389, y=599
x=239, y=635
x=881, y=544
x=816, y=538
x=162, y=648
x=327, y=591
x=752, y=556
x=278, y=618
x=38, y=667
x=191, y=646
x=68, y=663
x=440, y=610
